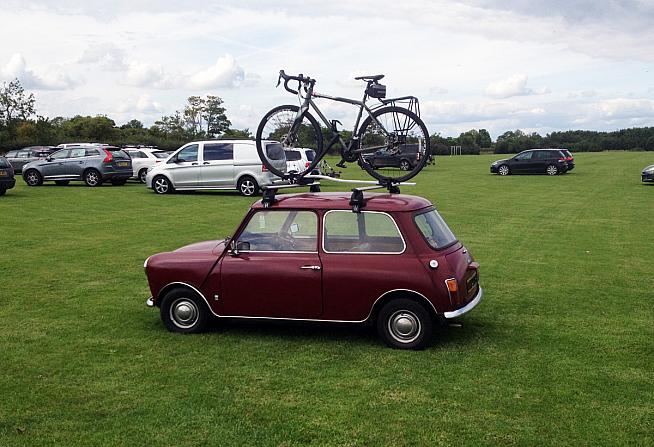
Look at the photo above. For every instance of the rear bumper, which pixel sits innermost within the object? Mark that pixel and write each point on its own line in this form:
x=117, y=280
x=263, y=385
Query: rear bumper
x=467, y=308
x=117, y=175
x=7, y=183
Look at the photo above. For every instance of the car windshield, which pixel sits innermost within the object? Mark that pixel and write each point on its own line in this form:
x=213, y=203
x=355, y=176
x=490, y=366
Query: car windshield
x=117, y=153
x=434, y=229
x=4, y=163
x=566, y=153
x=161, y=154
x=293, y=155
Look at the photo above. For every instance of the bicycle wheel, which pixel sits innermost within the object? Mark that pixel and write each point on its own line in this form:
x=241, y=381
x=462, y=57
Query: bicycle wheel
x=393, y=144
x=273, y=135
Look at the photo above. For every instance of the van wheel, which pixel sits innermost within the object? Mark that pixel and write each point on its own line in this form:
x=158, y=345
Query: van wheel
x=247, y=186
x=33, y=178
x=404, y=324
x=92, y=178
x=162, y=185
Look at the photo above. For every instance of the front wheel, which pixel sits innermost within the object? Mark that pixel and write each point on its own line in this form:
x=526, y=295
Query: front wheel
x=276, y=126
x=404, y=324
x=162, y=185
x=182, y=311
x=33, y=178
x=399, y=138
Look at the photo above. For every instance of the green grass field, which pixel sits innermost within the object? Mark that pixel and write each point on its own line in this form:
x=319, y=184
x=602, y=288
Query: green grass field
x=559, y=352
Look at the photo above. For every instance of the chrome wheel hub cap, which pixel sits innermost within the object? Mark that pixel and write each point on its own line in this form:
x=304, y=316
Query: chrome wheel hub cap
x=404, y=166
x=404, y=326
x=32, y=179
x=143, y=175
x=247, y=187
x=184, y=313
x=504, y=170
x=551, y=170
x=161, y=186
x=92, y=178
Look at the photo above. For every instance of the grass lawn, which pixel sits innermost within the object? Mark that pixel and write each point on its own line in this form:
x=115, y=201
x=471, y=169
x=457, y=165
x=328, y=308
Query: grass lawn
x=559, y=352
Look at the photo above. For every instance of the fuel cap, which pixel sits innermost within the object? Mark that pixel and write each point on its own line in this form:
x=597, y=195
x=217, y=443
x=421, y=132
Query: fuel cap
x=433, y=263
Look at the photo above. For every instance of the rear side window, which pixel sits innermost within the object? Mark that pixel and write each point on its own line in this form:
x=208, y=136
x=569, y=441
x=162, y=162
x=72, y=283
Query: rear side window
x=11, y=154
x=91, y=152
x=434, y=229
x=275, y=151
x=310, y=155
x=161, y=154
x=218, y=151
x=23, y=154
x=365, y=232
x=75, y=153
x=293, y=155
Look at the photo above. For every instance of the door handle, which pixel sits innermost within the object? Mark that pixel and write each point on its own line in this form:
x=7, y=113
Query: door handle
x=194, y=164
x=206, y=163
x=80, y=162
x=311, y=267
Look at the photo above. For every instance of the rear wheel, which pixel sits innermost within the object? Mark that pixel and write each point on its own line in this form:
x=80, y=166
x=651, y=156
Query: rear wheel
x=404, y=324
x=62, y=182
x=142, y=174
x=396, y=132
x=33, y=178
x=92, y=178
x=183, y=311
x=162, y=185
x=247, y=186
x=552, y=170
x=276, y=125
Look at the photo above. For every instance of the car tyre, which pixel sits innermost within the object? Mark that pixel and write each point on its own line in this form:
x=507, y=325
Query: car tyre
x=503, y=170
x=162, y=185
x=62, y=182
x=404, y=324
x=405, y=165
x=247, y=186
x=92, y=178
x=183, y=311
x=142, y=174
x=3, y=191
x=33, y=178
x=551, y=170
x=120, y=182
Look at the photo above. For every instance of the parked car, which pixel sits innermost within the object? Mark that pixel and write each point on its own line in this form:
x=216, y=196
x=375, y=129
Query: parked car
x=547, y=161
x=20, y=158
x=648, y=174
x=216, y=164
x=144, y=159
x=7, y=180
x=406, y=158
x=297, y=160
x=309, y=257
x=91, y=164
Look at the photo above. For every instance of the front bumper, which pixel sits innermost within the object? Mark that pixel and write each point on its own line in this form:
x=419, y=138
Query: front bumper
x=467, y=308
x=150, y=302
x=493, y=169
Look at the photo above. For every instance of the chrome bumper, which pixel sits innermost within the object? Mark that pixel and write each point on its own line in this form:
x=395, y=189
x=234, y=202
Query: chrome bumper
x=150, y=302
x=467, y=308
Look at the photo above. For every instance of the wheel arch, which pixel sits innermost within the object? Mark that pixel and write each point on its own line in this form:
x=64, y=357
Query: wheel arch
x=167, y=177
x=181, y=285
x=391, y=295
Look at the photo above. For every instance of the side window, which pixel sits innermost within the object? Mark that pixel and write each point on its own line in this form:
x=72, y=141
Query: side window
x=189, y=153
x=141, y=155
x=282, y=230
x=366, y=232
x=218, y=151
x=60, y=154
x=11, y=154
x=76, y=153
x=23, y=154
x=524, y=157
x=91, y=152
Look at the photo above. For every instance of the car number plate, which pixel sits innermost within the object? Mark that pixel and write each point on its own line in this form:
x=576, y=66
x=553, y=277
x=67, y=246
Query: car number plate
x=123, y=163
x=3, y=173
x=471, y=282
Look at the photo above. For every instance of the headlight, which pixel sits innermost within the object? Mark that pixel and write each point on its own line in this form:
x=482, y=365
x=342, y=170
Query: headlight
x=649, y=170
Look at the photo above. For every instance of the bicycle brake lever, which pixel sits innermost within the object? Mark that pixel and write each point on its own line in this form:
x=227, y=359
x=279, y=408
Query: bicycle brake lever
x=279, y=81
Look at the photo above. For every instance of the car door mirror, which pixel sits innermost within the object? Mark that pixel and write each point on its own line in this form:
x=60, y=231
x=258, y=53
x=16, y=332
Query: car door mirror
x=238, y=247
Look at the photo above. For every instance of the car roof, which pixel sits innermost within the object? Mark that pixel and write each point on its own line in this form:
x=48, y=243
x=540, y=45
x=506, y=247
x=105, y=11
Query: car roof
x=341, y=201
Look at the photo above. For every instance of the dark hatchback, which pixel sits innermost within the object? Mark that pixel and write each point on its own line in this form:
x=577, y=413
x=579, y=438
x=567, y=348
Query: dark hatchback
x=648, y=174
x=406, y=158
x=534, y=161
x=7, y=180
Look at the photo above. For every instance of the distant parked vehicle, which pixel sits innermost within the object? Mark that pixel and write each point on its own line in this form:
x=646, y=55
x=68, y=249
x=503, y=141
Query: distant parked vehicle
x=7, y=180
x=91, y=164
x=69, y=145
x=648, y=174
x=569, y=159
x=144, y=159
x=20, y=158
x=216, y=164
x=532, y=161
x=406, y=158
x=298, y=159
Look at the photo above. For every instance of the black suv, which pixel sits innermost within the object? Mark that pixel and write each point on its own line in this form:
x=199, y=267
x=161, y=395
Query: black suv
x=547, y=161
x=7, y=180
x=406, y=158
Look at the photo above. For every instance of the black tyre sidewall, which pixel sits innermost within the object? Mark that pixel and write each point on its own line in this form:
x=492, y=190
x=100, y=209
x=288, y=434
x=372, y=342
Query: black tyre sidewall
x=204, y=315
x=240, y=183
x=259, y=140
x=417, y=309
x=421, y=163
x=3, y=191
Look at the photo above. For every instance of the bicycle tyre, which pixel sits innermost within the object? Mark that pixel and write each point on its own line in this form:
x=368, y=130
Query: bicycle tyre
x=260, y=138
x=406, y=175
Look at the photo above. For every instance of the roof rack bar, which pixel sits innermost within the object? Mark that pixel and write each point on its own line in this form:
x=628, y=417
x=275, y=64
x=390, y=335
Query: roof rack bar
x=361, y=182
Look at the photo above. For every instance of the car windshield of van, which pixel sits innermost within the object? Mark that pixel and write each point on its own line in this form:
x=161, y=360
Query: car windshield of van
x=434, y=229
x=293, y=155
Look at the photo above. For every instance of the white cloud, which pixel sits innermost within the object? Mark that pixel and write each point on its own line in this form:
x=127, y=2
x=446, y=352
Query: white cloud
x=515, y=85
x=225, y=73
x=106, y=55
x=142, y=104
x=622, y=108
x=52, y=79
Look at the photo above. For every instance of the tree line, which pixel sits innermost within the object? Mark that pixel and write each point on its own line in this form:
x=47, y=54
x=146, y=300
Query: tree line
x=206, y=118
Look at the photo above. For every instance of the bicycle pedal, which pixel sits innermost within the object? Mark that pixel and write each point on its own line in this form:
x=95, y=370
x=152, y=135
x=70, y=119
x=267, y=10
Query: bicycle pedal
x=341, y=164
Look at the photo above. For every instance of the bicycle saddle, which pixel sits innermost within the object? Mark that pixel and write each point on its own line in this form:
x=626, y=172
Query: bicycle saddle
x=372, y=78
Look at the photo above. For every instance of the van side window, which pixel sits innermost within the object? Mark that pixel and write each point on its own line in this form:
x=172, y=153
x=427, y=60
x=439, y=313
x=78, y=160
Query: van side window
x=189, y=153
x=218, y=151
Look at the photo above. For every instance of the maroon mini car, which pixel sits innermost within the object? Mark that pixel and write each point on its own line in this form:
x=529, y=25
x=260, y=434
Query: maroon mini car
x=309, y=257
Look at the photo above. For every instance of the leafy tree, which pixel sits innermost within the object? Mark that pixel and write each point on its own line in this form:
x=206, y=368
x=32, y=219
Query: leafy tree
x=214, y=116
x=14, y=103
x=236, y=134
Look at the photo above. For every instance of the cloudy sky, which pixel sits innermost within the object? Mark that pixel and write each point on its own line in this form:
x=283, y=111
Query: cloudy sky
x=540, y=65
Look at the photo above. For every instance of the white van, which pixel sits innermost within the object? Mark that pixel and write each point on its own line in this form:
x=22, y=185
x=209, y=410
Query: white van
x=216, y=164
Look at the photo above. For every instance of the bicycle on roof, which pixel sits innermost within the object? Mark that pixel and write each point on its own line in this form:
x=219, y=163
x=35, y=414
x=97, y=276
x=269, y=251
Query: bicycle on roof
x=391, y=143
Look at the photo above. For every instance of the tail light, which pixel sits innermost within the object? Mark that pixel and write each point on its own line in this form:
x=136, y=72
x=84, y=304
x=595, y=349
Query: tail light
x=569, y=158
x=264, y=168
x=108, y=157
x=307, y=164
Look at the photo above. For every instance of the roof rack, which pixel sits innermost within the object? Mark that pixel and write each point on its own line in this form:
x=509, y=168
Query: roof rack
x=357, y=200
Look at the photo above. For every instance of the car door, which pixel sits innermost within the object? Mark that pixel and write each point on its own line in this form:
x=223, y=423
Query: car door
x=184, y=167
x=217, y=164
x=74, y=165
x=21, y=159
x=280, y=274
x=53, y=166
x=521, y=162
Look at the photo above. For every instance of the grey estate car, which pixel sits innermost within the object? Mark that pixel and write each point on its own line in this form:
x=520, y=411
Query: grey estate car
x=20, y=158
x=91, y=164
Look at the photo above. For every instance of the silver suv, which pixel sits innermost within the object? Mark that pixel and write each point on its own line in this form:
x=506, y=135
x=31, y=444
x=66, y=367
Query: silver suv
x=91, y=164
x=216, y=164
